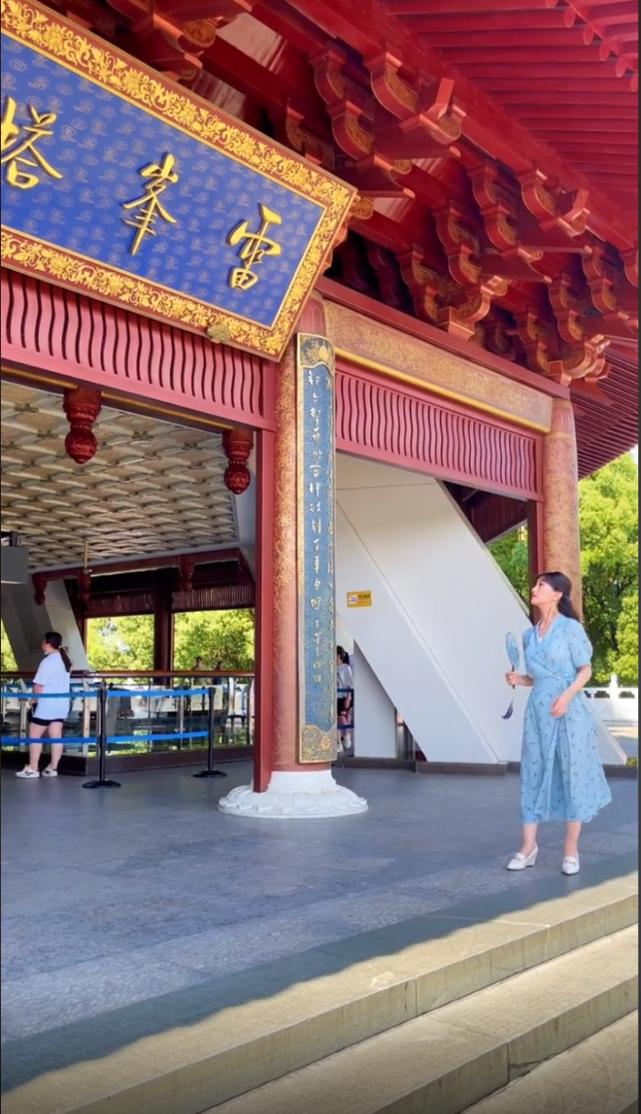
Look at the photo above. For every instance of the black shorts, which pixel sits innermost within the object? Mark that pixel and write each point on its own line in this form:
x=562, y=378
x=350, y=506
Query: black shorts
x=44, y=722
x=342, y=704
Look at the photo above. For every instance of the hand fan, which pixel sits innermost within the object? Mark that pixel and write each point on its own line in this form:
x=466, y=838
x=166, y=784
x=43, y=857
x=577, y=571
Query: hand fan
x=514, y=657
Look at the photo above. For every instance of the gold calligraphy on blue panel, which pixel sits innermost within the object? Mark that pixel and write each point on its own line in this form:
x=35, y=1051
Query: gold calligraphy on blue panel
x=315, y=463
x=255, y=246
x=20, y=152
x=158, y=176
x=120, y=184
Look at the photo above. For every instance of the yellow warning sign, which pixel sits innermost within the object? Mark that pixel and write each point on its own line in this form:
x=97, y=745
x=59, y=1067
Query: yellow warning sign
x=359, y=599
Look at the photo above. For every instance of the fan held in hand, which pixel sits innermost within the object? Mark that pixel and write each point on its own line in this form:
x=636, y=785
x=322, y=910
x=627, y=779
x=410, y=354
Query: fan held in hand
x=514, y=657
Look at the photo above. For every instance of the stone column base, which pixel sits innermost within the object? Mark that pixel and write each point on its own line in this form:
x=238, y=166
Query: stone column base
x=299, y=795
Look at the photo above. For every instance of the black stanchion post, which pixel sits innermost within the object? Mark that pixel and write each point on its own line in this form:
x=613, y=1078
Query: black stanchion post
x=210, y=771
x=102, y=746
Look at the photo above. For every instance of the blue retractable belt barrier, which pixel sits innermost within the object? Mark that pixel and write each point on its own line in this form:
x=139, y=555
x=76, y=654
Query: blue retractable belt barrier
x=74, y=694
x=102, y=741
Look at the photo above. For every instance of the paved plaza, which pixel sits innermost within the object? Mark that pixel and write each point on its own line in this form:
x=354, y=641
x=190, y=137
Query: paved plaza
x=127, y=911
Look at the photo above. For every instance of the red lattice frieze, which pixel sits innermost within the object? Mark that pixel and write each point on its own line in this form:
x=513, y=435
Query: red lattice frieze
x=399, y=425
x=55, y=331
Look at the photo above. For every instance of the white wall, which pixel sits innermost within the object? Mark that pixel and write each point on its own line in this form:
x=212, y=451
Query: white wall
x=26, y=622
x=435, y=635
x=375, y=715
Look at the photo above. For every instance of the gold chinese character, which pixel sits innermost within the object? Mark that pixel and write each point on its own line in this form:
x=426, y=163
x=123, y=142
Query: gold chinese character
x=256, y=245
x=159, y=177
x=16, y=151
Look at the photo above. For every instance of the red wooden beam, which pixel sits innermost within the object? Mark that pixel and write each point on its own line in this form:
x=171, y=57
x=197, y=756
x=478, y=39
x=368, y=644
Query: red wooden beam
x=461, y=40
x=626, y=115
x=462, y=7
x=132, y=564
x=607, y=11
x=581, y=69
x=441, y=21
x=524, y=99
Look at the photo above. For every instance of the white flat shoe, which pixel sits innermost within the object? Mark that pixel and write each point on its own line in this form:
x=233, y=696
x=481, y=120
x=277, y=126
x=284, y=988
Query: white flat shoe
x=570, y=865
x=28, y=774
x=521, y=861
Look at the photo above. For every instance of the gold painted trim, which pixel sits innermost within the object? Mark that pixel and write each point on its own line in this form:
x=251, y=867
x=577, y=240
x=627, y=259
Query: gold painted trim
x=434, y=388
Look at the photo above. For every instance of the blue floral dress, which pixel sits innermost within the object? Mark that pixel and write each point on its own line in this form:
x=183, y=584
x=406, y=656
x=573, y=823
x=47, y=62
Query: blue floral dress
x=561, y=771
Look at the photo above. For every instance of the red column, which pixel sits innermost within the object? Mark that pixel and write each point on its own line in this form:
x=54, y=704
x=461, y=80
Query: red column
x=163, y=624
x=263, y=734
x=561, y=545
x=283, y=786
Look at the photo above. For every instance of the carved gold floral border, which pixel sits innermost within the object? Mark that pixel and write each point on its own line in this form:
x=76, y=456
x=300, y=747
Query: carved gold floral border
x=86, y=55
x=381, y=348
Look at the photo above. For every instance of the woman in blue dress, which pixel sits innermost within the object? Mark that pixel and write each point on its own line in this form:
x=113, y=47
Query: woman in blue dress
x=561, y=772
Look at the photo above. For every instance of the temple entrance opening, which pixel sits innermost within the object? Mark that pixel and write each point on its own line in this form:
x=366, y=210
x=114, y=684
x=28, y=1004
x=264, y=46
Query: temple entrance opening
x=143, y=559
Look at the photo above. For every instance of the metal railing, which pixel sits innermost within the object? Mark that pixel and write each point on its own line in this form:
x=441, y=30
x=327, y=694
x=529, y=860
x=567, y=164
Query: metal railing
x=142, y=711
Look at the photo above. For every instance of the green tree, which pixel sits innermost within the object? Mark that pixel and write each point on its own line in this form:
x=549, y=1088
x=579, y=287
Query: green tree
x=7, y=660
x=226, y=636
x=121, y=642
x=609, y=516
x=609, y=520
x=511, y=553
x=627, y=660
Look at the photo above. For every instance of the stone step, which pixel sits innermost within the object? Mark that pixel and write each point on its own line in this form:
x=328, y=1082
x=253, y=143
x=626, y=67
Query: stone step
x=319, y=1002
x=449, y=1059
x=597, y=1076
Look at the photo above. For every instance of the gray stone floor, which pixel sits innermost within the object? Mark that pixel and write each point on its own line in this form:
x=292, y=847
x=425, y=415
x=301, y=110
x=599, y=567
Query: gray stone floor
x=129, y=910
x=628, y=738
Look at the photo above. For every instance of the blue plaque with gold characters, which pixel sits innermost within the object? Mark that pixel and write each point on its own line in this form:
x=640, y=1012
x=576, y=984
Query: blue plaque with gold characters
x=315, y=403
x=127, y=187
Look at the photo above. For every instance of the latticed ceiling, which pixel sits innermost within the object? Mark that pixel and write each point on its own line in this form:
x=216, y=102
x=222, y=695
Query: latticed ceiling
x=151, y=488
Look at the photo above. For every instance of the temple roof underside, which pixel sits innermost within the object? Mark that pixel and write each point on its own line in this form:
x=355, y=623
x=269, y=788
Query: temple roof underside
x=493, y=146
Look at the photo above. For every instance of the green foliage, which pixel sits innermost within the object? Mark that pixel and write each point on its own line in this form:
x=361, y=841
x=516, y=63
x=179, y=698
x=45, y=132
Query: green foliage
x=7, y=660
x=511, y=553
x=123, y=642
x=226, y=636
x=609, y=553
x=128, y=642
x=609, y=518
x=627, y=661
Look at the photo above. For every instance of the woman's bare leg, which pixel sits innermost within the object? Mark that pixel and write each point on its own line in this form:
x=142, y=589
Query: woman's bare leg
x=55, y=732
x=572, y=833
x=36, y=731
x=529, y=839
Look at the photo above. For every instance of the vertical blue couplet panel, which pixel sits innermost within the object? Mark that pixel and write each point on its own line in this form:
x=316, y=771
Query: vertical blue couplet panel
x=317, y=636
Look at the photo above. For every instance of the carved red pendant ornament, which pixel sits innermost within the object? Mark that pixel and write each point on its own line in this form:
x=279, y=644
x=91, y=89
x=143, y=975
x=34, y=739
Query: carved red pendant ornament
x=238, y=444
x=82, y=406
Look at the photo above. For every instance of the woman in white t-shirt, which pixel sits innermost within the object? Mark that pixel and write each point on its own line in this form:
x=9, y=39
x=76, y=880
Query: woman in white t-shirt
x=51, y=686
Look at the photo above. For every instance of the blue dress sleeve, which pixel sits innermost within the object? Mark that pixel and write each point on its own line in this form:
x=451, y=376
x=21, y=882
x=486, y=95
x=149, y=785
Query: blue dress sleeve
x=579, y=645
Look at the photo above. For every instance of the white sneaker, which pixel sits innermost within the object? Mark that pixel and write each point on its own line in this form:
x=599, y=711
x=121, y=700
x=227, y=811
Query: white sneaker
x=570, y=865
x=27, y=772
x=521, y=861
x=49, y=772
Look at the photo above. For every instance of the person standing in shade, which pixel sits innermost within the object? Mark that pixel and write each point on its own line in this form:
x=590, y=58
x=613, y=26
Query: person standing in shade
x=562, y=775
x=345, y=686
x=51, y=686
